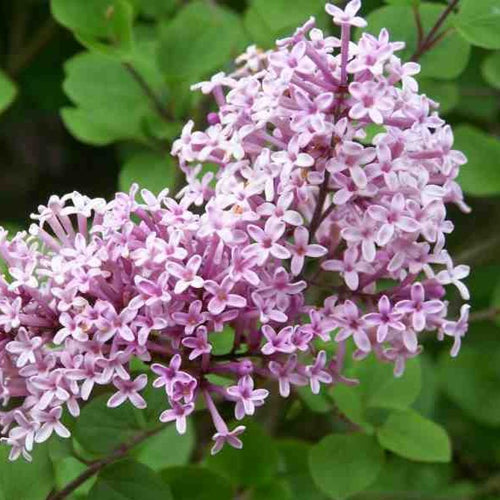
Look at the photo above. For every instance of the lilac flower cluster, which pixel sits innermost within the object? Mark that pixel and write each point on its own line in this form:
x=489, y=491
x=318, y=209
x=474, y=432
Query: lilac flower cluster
x=324, y=225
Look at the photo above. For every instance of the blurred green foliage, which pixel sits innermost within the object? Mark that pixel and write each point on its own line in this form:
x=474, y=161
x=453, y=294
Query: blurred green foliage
x=92, y=94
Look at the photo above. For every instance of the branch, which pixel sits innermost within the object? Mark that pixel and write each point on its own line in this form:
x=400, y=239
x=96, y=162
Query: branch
x=43, y=36
x=431, y=38
x=485, y=314
x=317, y=215
x=418, y=22
x=96, y=466
x=150, y=94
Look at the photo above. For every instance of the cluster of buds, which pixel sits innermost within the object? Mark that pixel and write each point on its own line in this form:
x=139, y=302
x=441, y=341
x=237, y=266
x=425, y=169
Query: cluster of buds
x=323, y=228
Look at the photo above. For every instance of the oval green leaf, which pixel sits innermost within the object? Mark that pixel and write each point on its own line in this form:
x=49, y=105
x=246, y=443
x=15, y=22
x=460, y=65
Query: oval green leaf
x=100, y=429
x=342, y=464
x=168, y=448
x=21, y=480
x=255, y=464
x=481, y=175
x=294, y=455
x=471, y=381
x=8, y=91
x=412, y=436
x=478, y=21
x=150, y=171
x=202, y=38
x=196, y=483
x=128, y=480
x=491, y=69
x=97, y=20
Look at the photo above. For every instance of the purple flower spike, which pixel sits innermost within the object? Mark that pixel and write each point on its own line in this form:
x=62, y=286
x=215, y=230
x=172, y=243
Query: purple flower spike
x=304, y=203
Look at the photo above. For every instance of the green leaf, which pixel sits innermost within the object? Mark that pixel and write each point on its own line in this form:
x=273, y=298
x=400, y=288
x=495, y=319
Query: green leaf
x=425, y=404
x=100, y=429
x=343, y=464
x=446, y=60
x=470, y=437
x=129, y=480
x=150, y=171
x=445, y=93
x=476, y=99
x=167, y=448
x=481, y=175
x=222, y=342
x=8, y=91
x=378, y=388
x=157, y=8
x=68, y=469
x=471, y=381
x=479, y=22
x=60, y=448
x=197, y=483
x=202, y=38
x=318, y=403
x=491, y=69
x=495, y=301
x=402, y=2
x=275, y=490
x=104, y=25
x=412, y=436
x=255, y=464
x=98, y=129
x=388, y=391
x=294, y=455
x=21, y=480
x=110, y=104
x=411, y=479
x=267, y=21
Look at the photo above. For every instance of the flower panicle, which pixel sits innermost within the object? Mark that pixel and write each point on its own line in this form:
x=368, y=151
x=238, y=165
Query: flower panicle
x=333, y=176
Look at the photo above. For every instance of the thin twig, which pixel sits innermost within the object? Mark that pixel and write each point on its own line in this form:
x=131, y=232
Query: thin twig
x=429, y=39
x=418, y=22
x=150, y=94
x=486, y=314
x=17, y=32
x=96, y=466
x=440, y=36
x=470, y=254
x=316, y=218
x=34, y=46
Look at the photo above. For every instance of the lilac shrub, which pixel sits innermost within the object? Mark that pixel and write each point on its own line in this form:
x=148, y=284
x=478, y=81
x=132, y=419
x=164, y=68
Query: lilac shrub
x=324, y=227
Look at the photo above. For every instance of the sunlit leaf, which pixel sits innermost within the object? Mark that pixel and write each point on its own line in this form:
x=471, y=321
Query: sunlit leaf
x=8, y=91
x=412, y=436
x=479, y=22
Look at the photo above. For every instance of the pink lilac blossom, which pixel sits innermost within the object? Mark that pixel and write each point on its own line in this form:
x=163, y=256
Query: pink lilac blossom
x=306, y=208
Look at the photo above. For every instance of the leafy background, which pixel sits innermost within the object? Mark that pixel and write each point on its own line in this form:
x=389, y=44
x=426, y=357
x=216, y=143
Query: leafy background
x=92, y=93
